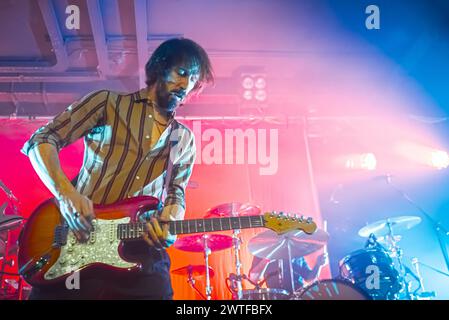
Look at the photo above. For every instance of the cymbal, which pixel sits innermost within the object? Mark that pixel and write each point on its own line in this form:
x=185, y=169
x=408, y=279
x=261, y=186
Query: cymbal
x=8, y=222
x=193, y=270
x=196, y=243
x=270, y=245
x=232, y=209
x=381, y=228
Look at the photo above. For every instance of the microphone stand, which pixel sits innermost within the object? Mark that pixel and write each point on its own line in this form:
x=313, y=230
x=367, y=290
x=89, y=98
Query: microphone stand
x=440, y=231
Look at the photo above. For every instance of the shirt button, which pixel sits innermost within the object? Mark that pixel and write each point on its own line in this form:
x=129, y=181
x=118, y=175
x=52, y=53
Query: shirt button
x=148, y=137
x=137, y=177
x=150, y=116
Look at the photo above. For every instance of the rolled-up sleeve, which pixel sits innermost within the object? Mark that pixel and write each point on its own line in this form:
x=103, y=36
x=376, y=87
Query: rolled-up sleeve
x=181, y=173
x=71, y=124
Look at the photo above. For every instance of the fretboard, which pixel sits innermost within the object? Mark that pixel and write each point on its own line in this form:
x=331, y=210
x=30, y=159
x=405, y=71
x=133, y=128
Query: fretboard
x=129, y=231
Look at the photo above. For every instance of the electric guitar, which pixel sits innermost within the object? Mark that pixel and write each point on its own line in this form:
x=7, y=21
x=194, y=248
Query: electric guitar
x=49, y=252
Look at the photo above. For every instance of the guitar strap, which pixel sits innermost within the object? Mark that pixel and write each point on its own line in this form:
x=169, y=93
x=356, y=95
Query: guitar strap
x=168, y=169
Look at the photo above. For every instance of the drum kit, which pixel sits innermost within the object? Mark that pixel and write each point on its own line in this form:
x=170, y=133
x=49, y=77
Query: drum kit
x=376, y=272
x=380, y=269
x=266, y=245
x=11, y=284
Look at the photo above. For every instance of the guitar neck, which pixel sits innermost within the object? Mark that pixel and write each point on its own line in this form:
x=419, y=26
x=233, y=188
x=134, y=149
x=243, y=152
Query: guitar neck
x=130, y=231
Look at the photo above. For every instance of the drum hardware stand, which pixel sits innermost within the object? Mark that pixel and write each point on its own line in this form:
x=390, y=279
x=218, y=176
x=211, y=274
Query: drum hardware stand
x=399, y=256
x=207, y=252
x=441, y=232
x=191, y=281
x=238, y=265
x=290, y=265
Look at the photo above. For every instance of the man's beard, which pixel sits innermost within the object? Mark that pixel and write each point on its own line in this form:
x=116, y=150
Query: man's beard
x=165, y=100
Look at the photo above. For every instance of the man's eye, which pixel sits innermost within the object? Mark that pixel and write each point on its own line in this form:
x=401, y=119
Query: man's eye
x=181, y=72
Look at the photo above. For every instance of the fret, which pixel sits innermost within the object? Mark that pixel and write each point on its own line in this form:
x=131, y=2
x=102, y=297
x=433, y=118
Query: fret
x=192, y=226
x=200, y=225
x=172, y=227
x=136, y=230
x=235, y=222
x=253, y=221
x=225, y=223
x=140, y=229
x=262, y=222
x=216, y=225
x=179, y=227
x=208, y=228
x=245, y=222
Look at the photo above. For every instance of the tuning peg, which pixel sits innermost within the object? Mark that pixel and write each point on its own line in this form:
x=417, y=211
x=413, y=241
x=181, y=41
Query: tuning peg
x=309, y=220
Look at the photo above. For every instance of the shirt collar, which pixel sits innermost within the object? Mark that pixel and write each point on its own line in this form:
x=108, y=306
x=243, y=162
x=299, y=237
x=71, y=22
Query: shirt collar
x=142, y=96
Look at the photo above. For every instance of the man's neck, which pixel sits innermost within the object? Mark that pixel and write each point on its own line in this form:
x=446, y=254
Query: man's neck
x=161, y=114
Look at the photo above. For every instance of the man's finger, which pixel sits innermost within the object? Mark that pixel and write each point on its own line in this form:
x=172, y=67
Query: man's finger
x=153, y=234
x=148, y=240
x=157, y=228
x=91, y=209
x=68, y=216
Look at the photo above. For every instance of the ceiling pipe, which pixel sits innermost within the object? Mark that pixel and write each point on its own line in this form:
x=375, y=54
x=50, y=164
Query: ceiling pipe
x=51, y=22
x=99, y=35
x=140, y=15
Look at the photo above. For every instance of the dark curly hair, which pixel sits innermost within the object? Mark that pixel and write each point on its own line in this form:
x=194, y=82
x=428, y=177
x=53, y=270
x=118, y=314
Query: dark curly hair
x=175, y=52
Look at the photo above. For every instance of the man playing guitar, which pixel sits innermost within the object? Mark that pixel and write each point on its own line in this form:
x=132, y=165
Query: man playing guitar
x=133, y=147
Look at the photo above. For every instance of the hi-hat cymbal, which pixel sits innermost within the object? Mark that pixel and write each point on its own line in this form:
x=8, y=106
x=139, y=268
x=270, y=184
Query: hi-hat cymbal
x=232, y=209
x=198, y=242
x=270, y=245
x=383, y=227
x=193, y=270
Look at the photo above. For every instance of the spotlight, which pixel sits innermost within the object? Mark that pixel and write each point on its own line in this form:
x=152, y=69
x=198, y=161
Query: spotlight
x=248, y=83
x=439, y=159
x=253, y=89
x=261, y=95
x=364, y=161
x=247, y=95
x=260, y=83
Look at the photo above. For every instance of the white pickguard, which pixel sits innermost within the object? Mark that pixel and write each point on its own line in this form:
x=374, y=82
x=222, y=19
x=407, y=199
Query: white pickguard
x=102, y=247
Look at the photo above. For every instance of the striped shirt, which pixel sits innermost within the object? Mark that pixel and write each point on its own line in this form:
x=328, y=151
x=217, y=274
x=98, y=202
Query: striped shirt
x=119, y=161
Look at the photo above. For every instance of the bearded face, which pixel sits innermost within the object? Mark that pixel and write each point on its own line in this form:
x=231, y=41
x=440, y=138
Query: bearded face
x=173, y=89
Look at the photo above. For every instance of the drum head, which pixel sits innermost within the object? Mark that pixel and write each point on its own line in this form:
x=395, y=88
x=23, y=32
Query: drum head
x=332, y=290
x=373, y=271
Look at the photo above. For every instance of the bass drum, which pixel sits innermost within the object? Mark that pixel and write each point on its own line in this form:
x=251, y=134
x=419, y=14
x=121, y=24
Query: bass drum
x=265, y=294
x=362, y=267
x=331, y=290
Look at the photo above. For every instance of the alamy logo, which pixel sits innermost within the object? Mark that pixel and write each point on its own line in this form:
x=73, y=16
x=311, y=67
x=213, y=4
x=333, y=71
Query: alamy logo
x=73, y=19
x=373, y=279
x=373, y=20
x=73, y=281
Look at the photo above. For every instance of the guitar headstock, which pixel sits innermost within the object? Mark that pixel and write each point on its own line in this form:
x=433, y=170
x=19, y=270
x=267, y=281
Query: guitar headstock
x=282, y=223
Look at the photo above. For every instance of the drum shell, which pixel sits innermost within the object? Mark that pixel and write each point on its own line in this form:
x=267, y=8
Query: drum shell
x=331, y=289
x=361, y=266
x=265, y=294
